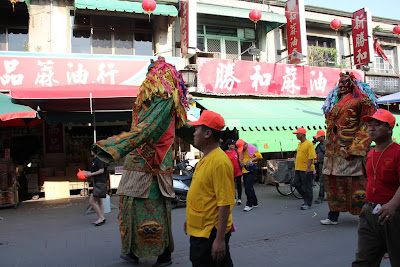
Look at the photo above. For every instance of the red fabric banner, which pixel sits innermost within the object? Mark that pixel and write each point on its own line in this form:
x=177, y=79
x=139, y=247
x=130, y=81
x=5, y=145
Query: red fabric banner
x=378, y=49
x=217, y=76
x=184, y=4
x=26, y=70
x=360, y=38
x=54, y=138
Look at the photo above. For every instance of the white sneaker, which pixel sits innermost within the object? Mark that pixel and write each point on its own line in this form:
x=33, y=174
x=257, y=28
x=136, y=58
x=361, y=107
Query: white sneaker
x=305, y=207
x=247, y=208
x=328, y=222
x=255, y=206
x=239, y=201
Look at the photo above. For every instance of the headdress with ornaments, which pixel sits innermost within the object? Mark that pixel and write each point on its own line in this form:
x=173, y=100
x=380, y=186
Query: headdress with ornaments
x=359, y=88
x=163, y=80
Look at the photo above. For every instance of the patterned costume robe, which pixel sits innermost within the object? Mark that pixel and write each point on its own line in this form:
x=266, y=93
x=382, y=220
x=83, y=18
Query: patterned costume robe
x=146, y=184
x=347, y=136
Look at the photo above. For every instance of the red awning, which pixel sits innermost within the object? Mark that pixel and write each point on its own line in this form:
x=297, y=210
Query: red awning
x=79, y=91
x=77, y=97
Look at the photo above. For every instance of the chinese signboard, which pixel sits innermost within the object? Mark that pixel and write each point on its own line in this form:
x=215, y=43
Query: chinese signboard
x=184, y=26
x=23, y=70
x=295, y=29
x=217, y=76
x=54, y=138
x=361, y=33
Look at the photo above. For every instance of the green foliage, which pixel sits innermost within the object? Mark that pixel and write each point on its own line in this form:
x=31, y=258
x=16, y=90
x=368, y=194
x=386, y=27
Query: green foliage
x=376, y=29
x=323, y=57
x=26, y=46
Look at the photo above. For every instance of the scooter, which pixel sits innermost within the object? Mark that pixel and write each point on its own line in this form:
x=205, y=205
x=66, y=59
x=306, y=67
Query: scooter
x=181, y=183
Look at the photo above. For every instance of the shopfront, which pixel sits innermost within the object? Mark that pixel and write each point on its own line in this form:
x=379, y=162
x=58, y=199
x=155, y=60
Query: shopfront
x=81, y=99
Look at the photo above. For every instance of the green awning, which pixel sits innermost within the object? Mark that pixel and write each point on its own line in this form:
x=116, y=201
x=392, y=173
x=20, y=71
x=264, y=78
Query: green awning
x=238, y=12
x=277, y=114
x=124, y=6
x=269, y=124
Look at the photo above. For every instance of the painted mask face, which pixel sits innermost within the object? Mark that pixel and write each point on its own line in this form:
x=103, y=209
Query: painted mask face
x=345, y=85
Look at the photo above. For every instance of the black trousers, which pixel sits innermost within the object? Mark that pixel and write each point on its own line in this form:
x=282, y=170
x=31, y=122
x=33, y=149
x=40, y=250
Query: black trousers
x=200, y=251
x=238, y=182
x=248, y=179
x=303, y=183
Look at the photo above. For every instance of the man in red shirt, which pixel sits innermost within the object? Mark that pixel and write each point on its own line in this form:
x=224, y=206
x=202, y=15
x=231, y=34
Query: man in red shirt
x=379, y=227
x=233, y=155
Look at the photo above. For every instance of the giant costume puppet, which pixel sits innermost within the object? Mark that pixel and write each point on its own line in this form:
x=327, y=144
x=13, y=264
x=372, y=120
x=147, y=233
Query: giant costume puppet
x=146, y=185
x=347, y=145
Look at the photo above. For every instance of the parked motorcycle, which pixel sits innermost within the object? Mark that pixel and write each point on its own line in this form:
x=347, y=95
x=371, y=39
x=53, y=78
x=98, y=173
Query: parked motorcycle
x=181, y=183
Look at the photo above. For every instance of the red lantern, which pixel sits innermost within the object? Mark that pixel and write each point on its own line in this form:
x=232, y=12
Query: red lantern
x=336, y=24
x=13, y=3
x=396, y=30
x=149, y=6
x=255, y=15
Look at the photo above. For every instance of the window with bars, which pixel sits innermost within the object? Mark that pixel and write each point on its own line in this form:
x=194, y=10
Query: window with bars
x=225, y=43
x=111, y=35
x=383, y=66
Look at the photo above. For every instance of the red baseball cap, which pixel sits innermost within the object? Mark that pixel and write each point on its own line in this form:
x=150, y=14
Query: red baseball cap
x=210, y=119
x=320, y=133
x=300, y=130
x=381, y=115
x=240, y=144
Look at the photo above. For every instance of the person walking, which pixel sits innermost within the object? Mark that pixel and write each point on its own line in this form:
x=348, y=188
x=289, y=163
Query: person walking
x=304, y=167
x=248, y=156
x=320, y=151
x=211, y=196
x=379, y=221
x=233, y=155
x=347, y=145
x=146, y=187
x=99, y=188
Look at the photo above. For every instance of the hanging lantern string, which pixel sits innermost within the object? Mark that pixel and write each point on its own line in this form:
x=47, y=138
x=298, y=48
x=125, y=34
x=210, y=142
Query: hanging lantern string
x=149, y=6
x=255, y=16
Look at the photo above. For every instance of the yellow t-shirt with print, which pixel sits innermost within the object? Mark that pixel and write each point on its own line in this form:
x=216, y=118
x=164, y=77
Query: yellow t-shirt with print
x=246, y=158
x=305, y=151
x=212, y=186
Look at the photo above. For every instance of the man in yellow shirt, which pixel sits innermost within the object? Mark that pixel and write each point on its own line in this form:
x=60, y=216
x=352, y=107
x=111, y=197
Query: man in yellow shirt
x=304, y=167
x=248, y=156
x=211, y=196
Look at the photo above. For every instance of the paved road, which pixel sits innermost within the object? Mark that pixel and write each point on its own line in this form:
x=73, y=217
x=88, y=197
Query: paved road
x=278, y=233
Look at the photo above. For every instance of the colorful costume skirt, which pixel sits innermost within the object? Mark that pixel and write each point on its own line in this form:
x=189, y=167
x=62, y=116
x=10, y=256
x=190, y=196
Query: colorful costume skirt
x=346, y=193
x=145, y=224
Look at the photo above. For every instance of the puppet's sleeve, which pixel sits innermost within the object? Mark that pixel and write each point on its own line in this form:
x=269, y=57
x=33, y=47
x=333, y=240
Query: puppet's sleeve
x=152, y=123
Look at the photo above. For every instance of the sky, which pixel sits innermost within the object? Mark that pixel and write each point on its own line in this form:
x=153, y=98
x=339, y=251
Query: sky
x=380, y=8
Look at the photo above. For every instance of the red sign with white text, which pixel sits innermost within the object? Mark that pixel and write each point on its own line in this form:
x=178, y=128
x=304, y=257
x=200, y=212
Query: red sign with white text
x=23, y=70
x=293, y=30
x=184, y=27
x=54, y=138
x=218, y=76
x=360, y=38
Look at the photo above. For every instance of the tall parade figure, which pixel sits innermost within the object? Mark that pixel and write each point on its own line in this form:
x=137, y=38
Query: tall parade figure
x=146, y=185
x=347, y=145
